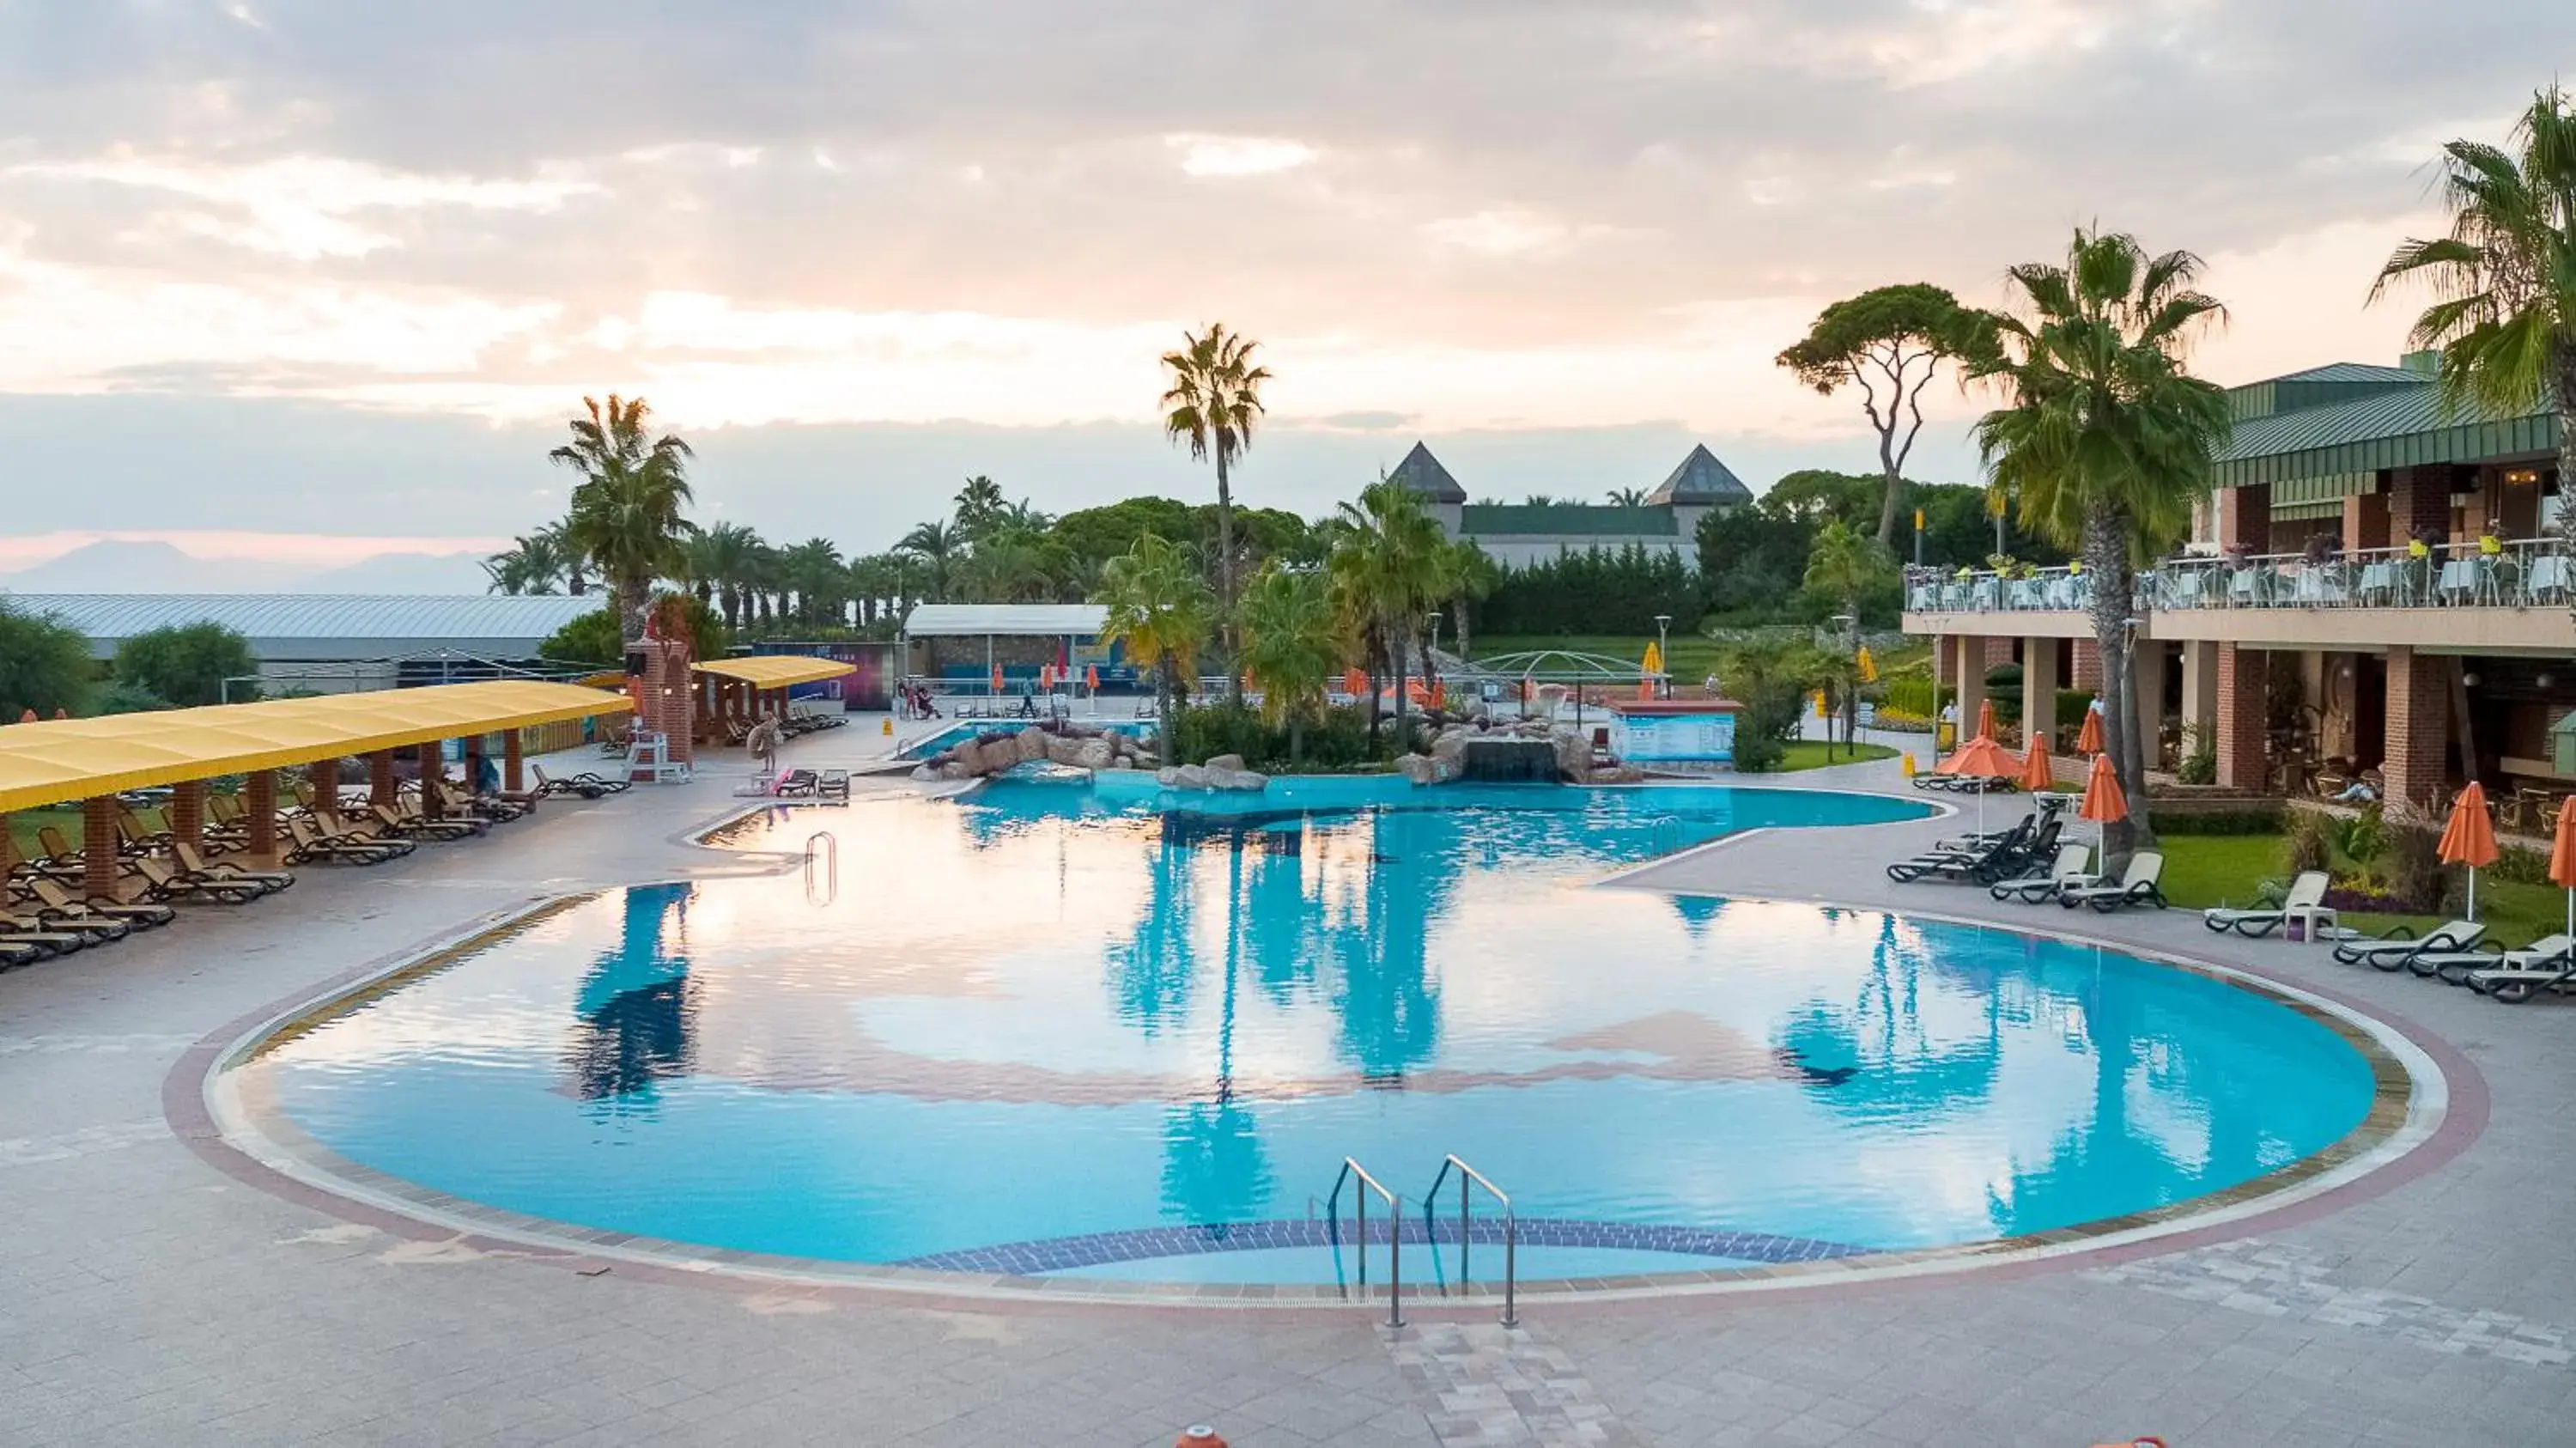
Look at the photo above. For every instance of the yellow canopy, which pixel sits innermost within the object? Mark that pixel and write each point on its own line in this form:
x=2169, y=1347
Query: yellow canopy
x=53, y=760
x=776, y=671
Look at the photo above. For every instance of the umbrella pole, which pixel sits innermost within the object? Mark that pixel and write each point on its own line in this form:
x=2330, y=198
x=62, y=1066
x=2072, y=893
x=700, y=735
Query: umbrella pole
x=2473, y=892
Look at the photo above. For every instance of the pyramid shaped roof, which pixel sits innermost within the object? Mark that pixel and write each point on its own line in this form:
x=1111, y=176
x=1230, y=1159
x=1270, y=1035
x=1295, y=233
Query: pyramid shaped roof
x=1701, y=480
x=1422, y=474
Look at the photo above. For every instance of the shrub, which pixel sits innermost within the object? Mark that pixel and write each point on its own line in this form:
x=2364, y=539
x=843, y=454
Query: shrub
x=189, y=664
x=2415, y=873
x=2362, y=838
x=2200, y=763
x=2311, y=844
x=2520, y=867
x=2218, y=822
x=44, y=664
x=126, y=698
x=2004, y=676
x=1336, y=741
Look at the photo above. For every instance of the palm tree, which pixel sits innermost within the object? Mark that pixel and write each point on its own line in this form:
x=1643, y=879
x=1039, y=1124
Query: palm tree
x=936, y=545
x=1842, y=564
x=1627, y=497
x=1158, y=607
x=977, y=505
x=720, y=562
x=1387, y=562
x=2506, y=275
x=814, y=570
x=2107, y=440
x=1468, y=576
x=1292, y=642
x=534, y=563
x=1214, y=401
x=626, y=511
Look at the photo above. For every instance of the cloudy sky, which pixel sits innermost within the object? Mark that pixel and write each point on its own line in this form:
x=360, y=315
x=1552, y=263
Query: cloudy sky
x=311, y=267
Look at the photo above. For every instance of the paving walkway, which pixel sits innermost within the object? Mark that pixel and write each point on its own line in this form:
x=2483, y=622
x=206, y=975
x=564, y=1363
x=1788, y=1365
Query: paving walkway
x=147, y=1296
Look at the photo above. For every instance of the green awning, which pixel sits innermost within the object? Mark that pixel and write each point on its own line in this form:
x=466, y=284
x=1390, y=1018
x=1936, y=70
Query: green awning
x=2319, y=497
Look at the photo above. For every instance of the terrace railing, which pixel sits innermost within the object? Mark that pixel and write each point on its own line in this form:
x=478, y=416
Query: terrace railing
x=2523, y=573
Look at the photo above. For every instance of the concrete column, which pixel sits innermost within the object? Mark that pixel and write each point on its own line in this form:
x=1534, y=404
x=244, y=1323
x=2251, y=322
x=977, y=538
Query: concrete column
x=432, y=767
x=2419, y=733
x=2200, y=690
x=514, y=762
x=2239, y=740
x=2088, y=666
x=1972, y=683
x=2147, y=696
x=2039, y=691
x=188, y=814
x=261, y=801
x=381, y=788
x=98, y=847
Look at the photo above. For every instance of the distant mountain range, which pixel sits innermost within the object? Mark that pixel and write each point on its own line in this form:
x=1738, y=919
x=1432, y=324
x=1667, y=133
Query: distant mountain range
x=110, y=566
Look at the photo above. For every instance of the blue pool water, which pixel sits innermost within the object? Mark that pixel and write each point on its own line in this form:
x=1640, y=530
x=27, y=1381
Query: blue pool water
x=1045, y=1029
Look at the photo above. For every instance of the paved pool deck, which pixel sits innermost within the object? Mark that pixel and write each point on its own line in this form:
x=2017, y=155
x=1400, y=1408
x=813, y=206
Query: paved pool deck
x=153, y=1290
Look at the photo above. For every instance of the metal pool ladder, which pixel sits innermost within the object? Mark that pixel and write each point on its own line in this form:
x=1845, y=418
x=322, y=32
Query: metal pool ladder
x=822, y=845
x=1394, y=1232
x=1469, y=1177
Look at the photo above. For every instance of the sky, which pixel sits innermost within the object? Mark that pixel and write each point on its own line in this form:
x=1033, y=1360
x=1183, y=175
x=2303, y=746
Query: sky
x=277, y=269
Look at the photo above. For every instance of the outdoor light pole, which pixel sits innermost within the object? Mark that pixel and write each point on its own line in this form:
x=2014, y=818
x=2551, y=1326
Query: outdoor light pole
x=1664, y=649
x=1429, y=665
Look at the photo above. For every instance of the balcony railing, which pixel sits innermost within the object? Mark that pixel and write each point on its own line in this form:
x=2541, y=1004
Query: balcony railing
x=2524, y=573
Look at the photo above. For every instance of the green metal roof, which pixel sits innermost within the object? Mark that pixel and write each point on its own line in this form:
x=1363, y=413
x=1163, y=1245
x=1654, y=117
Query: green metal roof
x=1552, y=520
x=2398, y=427
x=2356, y=372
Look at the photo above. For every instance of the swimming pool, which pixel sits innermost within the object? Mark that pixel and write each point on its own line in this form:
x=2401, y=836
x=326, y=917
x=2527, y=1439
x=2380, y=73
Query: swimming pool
x=1043, y=1031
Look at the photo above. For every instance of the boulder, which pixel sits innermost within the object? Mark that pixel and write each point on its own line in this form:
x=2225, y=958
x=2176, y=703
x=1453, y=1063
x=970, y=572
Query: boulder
x=1064, y=750
x=1093, y=753
x=1191, y=776
x=956, y=771
x=1031, y=744
x=1452, y=744
x=1573, y=755
x=926, y=772
x=1168, y=777
x=1416, y=767
x=1230, y=763
x=1236, y=779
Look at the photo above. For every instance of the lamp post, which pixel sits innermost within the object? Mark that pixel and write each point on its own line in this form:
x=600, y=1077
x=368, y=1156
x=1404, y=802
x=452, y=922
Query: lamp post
x=1664, y=649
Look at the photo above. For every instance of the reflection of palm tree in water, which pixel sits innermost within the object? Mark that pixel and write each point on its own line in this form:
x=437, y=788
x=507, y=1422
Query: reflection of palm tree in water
x=636, y=1008
x=1150, y=973
x=1214, y=1170
x=1882, y=1061
x=1390, y=1015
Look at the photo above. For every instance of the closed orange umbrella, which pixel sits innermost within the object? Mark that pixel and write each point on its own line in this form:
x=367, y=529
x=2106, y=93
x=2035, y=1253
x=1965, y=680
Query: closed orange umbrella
x=1646, y=688
x=2469, y=838
x=1046, y=677
x=1091, y=677
x=1986, y=719
x=2035, y=772
x=1439, y=694
x=2562, y=860
x=2088, y=740
x=997, y=678
x=1354, y=683
x=2104, y=803
x=27, y=717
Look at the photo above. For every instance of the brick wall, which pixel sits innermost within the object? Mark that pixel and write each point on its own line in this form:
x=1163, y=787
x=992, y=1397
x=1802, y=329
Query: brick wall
x=2419, y=500
x=2245, y=517
x=2365, y=522
x=2239, y=742
x=2419, y=731
x=2088, y=666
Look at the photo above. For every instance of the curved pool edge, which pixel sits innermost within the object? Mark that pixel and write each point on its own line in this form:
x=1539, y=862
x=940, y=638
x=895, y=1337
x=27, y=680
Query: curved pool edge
x=205, y=1102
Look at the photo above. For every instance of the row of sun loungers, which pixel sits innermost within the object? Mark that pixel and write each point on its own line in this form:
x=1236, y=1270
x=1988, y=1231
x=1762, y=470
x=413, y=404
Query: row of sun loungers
x=2458, y=952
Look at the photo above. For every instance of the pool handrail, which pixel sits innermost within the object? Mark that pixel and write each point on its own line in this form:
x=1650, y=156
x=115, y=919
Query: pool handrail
x=1468, y=1175
x=1394, y=1234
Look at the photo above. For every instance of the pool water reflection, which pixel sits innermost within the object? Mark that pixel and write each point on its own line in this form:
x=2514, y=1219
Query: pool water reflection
x=1041, y=1030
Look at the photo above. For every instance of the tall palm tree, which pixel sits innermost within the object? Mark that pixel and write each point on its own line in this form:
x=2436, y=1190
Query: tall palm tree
x=720, y=562
x=1388, y=559
x=1214, y=402
x=1842, y=564
x=1159, y=607
x=1292, y=642
x=978, y=503
x=937, y=546
x=2107, y=439
x=814, y=570
x=1627, y=497
x=2506, y=276
x=627, y=510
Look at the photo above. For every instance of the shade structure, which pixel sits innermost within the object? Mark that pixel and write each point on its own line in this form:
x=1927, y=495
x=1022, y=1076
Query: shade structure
x=775, y=671
x=50, y=761
x=1981, y=758
x=2088, y=740
x=2104, y=801
x=2562, y=860
x=2469, y=837
x=2036, y=775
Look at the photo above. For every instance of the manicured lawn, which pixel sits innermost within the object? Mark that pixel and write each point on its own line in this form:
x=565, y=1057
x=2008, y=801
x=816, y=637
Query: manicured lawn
x=1810, y=754
x=2206, y=870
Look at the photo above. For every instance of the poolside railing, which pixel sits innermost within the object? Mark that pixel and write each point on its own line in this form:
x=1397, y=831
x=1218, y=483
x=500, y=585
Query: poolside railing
x=2522, y=573
x=1469, y=1177
x=1351, y=1169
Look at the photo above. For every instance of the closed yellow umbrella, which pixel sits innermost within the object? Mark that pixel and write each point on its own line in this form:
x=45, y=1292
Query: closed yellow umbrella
x=1654, y=658
x=1866, y=666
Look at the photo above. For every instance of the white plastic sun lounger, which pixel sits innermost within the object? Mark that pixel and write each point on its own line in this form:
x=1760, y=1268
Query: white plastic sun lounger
x=2517, y=976
x=2457, y=968
x=2146, y=868
x=2453, y=937
x=2306, y=892
x=2071, y=868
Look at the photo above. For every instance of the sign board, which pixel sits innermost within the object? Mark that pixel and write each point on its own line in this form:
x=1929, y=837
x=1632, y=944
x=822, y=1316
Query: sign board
x=1696, y=738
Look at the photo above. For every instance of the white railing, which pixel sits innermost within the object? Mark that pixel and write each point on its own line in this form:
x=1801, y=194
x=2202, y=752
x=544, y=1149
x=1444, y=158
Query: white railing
x=2523, y=573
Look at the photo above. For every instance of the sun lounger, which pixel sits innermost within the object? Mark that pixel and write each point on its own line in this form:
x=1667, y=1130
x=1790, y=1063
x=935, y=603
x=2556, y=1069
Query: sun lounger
x=2455, y=967
x=835, y=784
x=269, y=881
x=52, y=901
x=2306, y=893
x=2139, y=885
x=164, y=881
x=2035, y=886
x=13, y=954
x=306, y=843
x=1960, y=864
x=94, y=929
x=410, y=821
x=362, y=829
x=585, y=784
x=19, y=935
x=795, y=783
x=2518, y=975
x=2392, y=952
